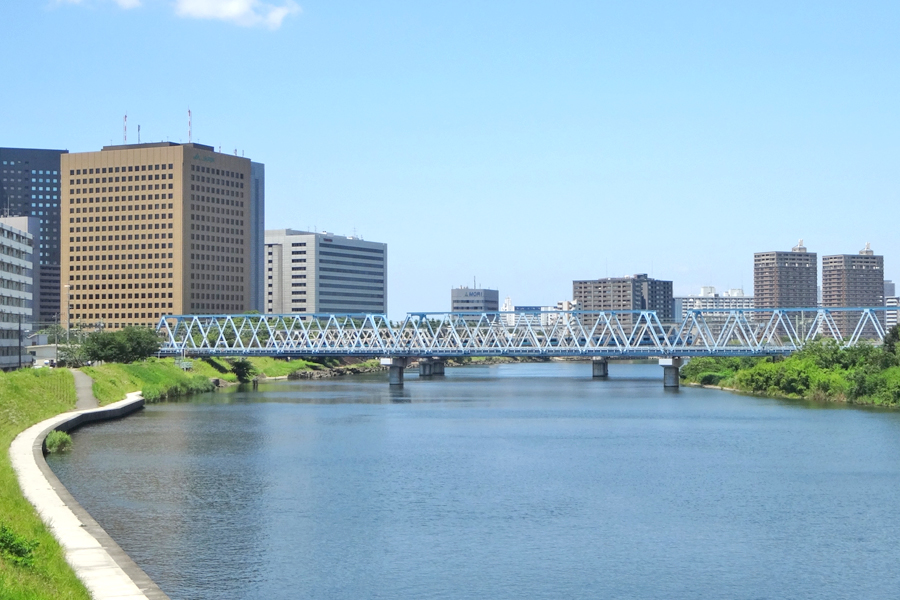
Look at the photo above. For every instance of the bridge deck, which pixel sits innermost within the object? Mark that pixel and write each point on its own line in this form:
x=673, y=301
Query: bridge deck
x=610, y=334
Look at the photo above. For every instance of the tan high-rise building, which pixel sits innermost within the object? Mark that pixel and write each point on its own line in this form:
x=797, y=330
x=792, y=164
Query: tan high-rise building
x=154, y=229
x=785, y=279
x=852, y=280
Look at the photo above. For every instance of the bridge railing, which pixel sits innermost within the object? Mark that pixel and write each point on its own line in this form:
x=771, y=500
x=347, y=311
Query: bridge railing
x=745, y=332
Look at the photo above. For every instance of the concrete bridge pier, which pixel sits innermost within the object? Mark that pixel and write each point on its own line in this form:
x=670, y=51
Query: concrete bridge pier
x=430, y=366
x=600, y=368
x=396, y=366
x=671, y=367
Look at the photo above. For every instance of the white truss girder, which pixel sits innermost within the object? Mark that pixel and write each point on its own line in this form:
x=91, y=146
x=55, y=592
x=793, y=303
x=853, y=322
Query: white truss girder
x=611, y=334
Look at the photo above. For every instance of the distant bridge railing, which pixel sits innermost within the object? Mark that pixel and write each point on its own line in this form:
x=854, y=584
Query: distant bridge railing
x=610, y=334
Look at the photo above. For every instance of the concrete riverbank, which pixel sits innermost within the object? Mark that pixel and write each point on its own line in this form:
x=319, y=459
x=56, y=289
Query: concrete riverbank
x=104, y=568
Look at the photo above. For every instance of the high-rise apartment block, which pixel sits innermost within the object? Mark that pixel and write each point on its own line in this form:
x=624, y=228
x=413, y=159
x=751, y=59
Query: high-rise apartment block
x=852, y=280
x=156, y=229
x=785, y=279
x=324, y=273
x=30, y=187
x=637, y=292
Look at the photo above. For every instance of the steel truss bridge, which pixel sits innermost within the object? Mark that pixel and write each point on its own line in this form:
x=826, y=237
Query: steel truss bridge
x=597, y=335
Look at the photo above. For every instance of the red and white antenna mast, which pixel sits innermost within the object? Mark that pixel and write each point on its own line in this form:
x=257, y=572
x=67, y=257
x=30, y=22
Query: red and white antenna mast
x=125, y=129
x=189, y=126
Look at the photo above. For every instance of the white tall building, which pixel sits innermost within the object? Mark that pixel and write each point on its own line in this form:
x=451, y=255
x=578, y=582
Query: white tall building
x=16, y=289
x=324, y=273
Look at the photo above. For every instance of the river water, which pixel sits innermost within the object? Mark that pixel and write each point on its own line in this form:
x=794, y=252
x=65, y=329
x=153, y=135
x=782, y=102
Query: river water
x=504, y=482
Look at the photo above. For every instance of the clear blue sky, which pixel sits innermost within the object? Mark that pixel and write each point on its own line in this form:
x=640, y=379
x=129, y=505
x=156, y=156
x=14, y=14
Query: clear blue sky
x=527, y=144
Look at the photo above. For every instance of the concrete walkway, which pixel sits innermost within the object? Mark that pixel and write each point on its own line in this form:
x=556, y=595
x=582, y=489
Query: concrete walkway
x=84, y=391
x=104, y=568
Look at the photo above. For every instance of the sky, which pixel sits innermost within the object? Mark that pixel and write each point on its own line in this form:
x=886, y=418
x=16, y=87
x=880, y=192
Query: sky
x=520, y=144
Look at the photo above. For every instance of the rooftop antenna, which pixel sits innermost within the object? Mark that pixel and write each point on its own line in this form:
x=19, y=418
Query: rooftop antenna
x=139, y=134
x=125, y=129
x=190, y=127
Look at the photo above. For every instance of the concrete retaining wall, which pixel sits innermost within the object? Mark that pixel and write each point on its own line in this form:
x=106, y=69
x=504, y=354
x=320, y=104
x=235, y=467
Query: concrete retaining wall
x=99, y=562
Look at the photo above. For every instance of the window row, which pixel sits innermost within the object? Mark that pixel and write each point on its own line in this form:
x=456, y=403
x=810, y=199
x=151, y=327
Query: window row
x=212, y=171
x=123, y=169
x=124, y=188
x=123, y=179
x=124, y=208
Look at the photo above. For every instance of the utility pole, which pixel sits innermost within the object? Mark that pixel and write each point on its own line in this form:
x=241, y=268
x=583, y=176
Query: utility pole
x=20, y=340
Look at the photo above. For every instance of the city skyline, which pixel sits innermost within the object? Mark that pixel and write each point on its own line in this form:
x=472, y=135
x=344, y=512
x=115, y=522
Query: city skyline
x=670, y=141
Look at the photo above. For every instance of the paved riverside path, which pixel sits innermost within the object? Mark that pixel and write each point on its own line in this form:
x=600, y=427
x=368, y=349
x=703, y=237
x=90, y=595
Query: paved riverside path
x=104, y=568
x=84, y=391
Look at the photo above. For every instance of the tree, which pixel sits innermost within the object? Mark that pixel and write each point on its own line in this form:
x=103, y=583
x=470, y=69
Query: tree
x=142, y=342
x=72, y=356
x=892, y=339
x=243, y=369
x=131, y=344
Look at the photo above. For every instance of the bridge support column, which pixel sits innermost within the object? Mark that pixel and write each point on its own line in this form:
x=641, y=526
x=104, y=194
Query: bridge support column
x=396, y=366
x=671, y=367
x=426, y=367
x=600, y=368
x=430, y=366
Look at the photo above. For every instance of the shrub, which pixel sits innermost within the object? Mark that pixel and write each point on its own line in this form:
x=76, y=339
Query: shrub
x=16, y=548
x=59, y=441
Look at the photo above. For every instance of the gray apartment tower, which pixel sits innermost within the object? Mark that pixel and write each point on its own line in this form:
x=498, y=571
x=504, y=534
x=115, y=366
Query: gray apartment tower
x=852, y=280
x=310, y=272
x=30, y=187
x=785, y=279
x=637, y=292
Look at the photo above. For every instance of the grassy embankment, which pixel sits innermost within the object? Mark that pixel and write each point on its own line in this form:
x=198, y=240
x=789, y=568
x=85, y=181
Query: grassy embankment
x=821, y=371
x=28, y=397
x=161, y=378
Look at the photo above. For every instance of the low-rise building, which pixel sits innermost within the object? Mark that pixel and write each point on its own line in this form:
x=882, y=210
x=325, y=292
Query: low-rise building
x=466, y=299
x=709, y=300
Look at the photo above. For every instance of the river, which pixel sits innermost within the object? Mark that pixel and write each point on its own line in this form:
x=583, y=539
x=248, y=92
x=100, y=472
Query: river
x=503, y=482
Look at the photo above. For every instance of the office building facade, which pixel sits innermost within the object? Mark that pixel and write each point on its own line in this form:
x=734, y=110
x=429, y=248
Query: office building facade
x=466, y=299
x=30, y=186
x=785, y=279
x=16, y=283
x=852, y=280
x=310, y=272
x=637, y=292
x=155, y=229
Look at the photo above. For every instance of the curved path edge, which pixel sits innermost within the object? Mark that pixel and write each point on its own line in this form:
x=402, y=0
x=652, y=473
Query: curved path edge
x=104, y=568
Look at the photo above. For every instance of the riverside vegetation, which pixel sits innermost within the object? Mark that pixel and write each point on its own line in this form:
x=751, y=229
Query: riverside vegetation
x=32, y=564
x=821, y=371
